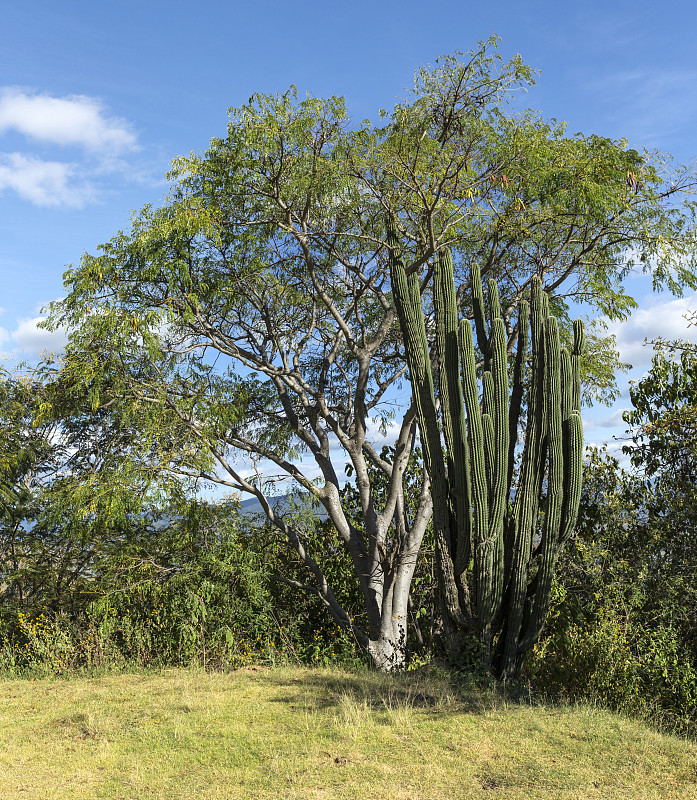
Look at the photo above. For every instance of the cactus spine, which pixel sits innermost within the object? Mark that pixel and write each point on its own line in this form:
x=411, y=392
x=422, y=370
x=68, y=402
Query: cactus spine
x=497, y=544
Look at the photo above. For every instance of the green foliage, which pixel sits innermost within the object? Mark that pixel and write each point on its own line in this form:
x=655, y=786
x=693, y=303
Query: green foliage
x=81, y=487
x=605, y=652
x=622, y=630
x=39, y=548
x=207, y=588
x=664, y=446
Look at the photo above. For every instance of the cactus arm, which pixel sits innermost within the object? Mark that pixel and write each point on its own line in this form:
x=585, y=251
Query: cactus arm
x=480, y=501
x=549, y=545
x=494, y=304
x=567, y=393
x=479, y=314
x=499, y=391
x=489, y=457
x=416, y=347
x=499, y=471
x=519, y=372
x=407, y=300
x=579, y=344
x=452, y=405
x=573, y=439
x=573, y=471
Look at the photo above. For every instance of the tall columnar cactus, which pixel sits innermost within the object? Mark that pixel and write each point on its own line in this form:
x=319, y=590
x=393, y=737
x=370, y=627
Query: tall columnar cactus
x=497, y=543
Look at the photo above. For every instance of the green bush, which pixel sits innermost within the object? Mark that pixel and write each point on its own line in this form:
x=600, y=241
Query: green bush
x=211, y=589
x=621, y=630
x=610, y=656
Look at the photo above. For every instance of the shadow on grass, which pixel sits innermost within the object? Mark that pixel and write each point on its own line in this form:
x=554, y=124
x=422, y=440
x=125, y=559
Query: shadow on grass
x=434, y=690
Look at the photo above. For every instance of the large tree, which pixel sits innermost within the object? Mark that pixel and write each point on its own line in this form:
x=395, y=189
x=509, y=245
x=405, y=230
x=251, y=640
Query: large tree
x=254, y=311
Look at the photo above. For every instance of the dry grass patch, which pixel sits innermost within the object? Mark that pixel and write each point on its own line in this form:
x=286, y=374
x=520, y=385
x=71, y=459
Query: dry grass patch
x=296, y=733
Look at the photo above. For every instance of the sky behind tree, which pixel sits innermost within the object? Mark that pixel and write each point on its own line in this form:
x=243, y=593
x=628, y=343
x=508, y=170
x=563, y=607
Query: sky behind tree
x=97, y=99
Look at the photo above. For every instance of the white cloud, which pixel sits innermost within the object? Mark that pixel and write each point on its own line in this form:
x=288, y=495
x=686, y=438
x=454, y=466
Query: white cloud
x=44, y=183
x=73, y=120
x=613, y=421
x=661, y=316
x=664, y=319
x=29, y=338
x=614, y=448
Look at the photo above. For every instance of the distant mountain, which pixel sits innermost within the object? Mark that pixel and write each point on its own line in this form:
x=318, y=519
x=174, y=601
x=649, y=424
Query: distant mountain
x=280, y=503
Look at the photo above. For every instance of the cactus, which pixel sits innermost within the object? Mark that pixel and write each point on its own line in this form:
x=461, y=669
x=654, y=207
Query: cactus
x=497, y=543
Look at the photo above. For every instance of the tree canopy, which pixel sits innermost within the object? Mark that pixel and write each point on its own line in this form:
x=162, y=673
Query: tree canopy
x=251, y=315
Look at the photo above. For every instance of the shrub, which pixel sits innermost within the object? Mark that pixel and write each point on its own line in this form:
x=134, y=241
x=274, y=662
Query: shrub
x=621, y=631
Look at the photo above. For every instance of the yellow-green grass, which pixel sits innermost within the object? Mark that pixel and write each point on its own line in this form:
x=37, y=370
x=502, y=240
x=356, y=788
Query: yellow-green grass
x=299, y=733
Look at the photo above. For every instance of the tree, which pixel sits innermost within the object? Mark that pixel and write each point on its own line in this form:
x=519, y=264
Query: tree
x=622, y=628
x=663, y=452
x=28, y=461
x=253, y=311
x=79, y=486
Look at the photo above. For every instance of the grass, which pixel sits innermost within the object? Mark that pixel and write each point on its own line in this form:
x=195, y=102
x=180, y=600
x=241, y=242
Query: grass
x=315, y=734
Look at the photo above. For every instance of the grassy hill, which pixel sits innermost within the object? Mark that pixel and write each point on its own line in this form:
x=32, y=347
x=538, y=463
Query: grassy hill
x=299, y=733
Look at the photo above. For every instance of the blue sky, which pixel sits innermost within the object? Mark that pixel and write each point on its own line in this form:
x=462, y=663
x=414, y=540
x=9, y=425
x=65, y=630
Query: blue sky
x=97, y=98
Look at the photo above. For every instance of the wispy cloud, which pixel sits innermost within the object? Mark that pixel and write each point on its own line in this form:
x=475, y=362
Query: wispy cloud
x=649, y=103
x=74, y=120
x=613, y=421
